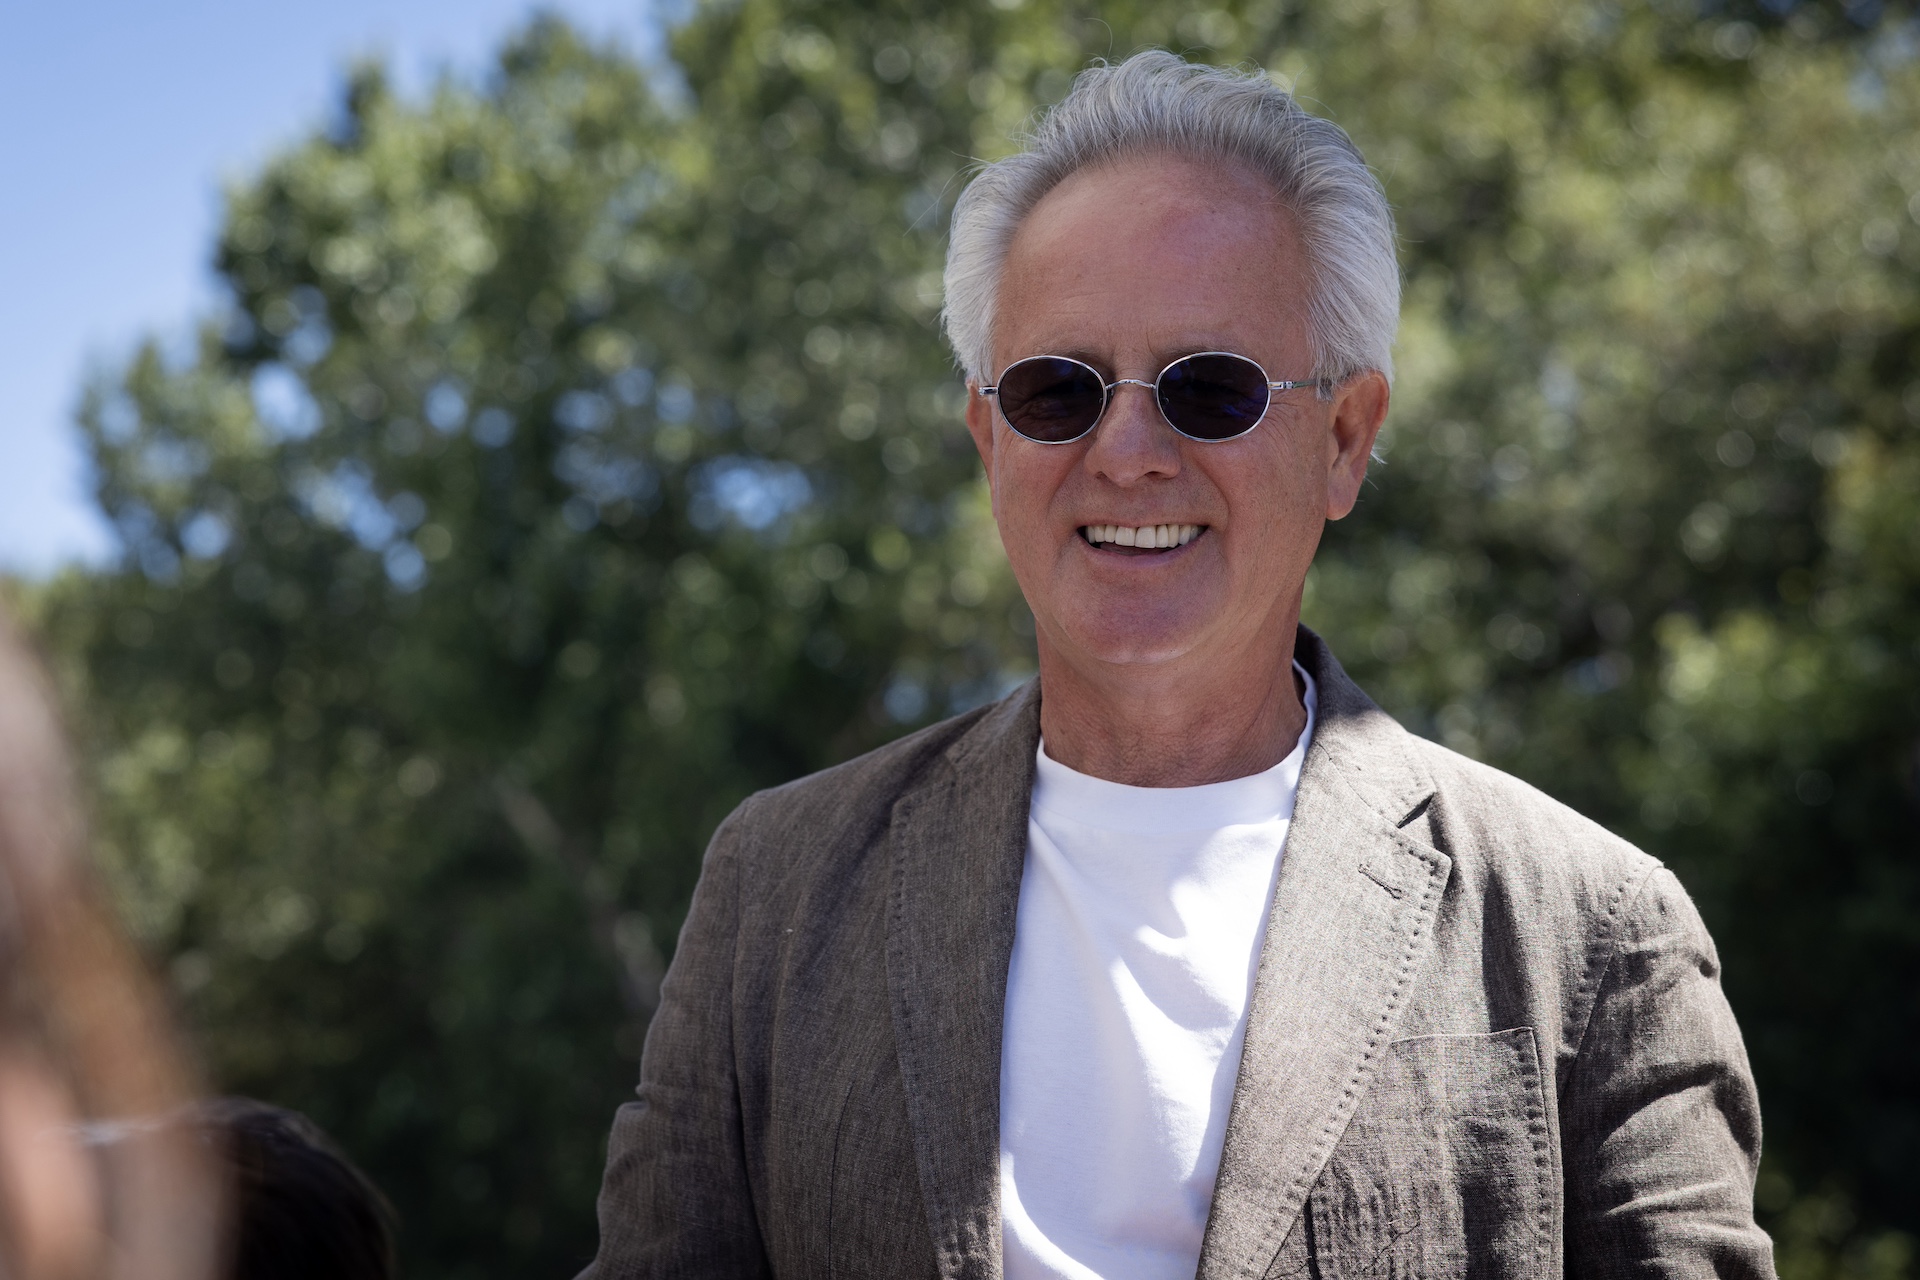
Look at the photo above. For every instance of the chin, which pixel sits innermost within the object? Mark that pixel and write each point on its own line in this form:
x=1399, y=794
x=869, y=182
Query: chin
x=1131, y=638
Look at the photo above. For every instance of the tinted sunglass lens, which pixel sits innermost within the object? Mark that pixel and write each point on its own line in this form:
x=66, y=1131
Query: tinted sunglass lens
x=1051, y=400
x=1213, y=397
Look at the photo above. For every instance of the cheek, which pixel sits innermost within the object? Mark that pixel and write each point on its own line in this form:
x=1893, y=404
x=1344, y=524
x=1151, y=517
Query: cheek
x=1016, y=508
x=1024, y=486
x=1278, y=504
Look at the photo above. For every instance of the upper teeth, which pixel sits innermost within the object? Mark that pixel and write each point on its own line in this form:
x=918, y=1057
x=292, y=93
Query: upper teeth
x=1146, y=535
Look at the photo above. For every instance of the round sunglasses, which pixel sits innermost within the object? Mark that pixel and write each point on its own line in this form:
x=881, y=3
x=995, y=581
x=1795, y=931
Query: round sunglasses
x=1208, y=396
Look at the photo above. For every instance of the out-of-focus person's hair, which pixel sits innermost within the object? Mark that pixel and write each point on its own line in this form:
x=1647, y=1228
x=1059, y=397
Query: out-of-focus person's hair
x=84, y=1040
x=1155, y=103
x=301, y=1210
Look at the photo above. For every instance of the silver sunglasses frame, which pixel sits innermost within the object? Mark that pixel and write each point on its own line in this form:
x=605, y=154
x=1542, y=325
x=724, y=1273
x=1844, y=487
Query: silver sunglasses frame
x=1322, y=385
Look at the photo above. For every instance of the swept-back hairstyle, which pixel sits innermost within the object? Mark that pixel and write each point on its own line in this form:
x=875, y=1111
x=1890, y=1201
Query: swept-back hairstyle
x=1155, y=102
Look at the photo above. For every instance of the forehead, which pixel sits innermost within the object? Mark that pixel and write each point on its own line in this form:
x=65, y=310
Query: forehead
x=1153, y=255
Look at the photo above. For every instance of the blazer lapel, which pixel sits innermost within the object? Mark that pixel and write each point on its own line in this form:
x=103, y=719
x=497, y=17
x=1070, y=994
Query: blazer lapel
x=958, y=848
x=1350, y=926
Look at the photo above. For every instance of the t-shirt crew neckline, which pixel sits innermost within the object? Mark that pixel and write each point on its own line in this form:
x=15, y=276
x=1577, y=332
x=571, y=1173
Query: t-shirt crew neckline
x=1117, y=806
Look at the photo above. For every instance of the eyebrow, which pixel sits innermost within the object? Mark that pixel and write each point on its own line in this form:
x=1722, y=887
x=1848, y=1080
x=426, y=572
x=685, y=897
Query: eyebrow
x=1161, y=357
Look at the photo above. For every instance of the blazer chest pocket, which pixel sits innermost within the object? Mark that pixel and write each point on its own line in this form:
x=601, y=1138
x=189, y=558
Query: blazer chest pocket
x=1446, y=1170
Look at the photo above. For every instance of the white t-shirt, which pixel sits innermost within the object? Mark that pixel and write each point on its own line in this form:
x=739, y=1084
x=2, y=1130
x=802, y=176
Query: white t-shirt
x=1141, y=915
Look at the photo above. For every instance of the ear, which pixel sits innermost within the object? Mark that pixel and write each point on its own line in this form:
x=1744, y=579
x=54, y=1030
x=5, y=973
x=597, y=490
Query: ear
x=1359, y=407
x=980, y=426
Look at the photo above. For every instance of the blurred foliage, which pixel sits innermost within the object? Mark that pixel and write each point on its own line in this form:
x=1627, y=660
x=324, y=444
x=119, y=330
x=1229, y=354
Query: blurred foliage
x=578, y=452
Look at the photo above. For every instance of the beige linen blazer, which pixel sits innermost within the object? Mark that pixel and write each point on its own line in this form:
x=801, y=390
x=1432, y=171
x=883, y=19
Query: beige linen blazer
x=1487, y=1038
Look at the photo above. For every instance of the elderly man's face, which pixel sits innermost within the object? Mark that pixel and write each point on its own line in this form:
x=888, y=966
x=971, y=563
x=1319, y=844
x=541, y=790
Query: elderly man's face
x=1128, y=267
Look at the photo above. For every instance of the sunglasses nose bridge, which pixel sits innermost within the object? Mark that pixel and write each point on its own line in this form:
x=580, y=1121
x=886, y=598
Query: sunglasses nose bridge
x=1135, y=437
x=1117, y=383
x=1160, y=409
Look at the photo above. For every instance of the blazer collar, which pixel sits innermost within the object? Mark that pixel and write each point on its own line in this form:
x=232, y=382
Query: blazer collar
x=959, y=845
x=1350, y=925
x=1350, y=922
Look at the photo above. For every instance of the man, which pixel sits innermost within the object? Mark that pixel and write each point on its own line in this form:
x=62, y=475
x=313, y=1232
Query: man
x=1185, y=958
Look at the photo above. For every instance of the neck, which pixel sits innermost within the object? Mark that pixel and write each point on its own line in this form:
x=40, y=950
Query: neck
x=1181, y=724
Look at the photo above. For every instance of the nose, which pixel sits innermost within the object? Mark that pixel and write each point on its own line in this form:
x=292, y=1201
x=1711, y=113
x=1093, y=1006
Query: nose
x=1131, y=443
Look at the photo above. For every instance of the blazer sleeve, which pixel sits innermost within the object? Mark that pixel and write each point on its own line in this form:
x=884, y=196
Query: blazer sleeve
x=675, y=1200
x=1661, y=1122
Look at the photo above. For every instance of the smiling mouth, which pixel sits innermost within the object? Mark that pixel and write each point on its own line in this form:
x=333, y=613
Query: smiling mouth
x=1143, y=538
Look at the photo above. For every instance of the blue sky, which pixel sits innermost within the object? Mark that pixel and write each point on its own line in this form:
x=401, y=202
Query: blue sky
x=119, y=123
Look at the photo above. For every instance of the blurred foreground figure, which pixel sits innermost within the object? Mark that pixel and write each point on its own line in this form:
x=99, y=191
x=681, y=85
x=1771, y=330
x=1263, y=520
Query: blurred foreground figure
x=300, y=1209
x=1184, y=959
x=84, y=1041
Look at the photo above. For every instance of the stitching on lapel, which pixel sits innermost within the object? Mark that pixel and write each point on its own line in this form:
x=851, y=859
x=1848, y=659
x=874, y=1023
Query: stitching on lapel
x=963, y=1228
x=1374, y=775
x=1322, y=1149
x=905, y=1013
x=1285, y=1199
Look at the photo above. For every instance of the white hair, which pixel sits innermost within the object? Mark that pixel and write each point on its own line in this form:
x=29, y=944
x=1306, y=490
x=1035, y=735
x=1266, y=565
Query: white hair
x=1155, y=102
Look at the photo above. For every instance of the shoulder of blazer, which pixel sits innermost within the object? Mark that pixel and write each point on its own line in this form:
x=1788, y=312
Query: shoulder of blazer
x=1554, y=868
x=1483, y=817
x=852, y=802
